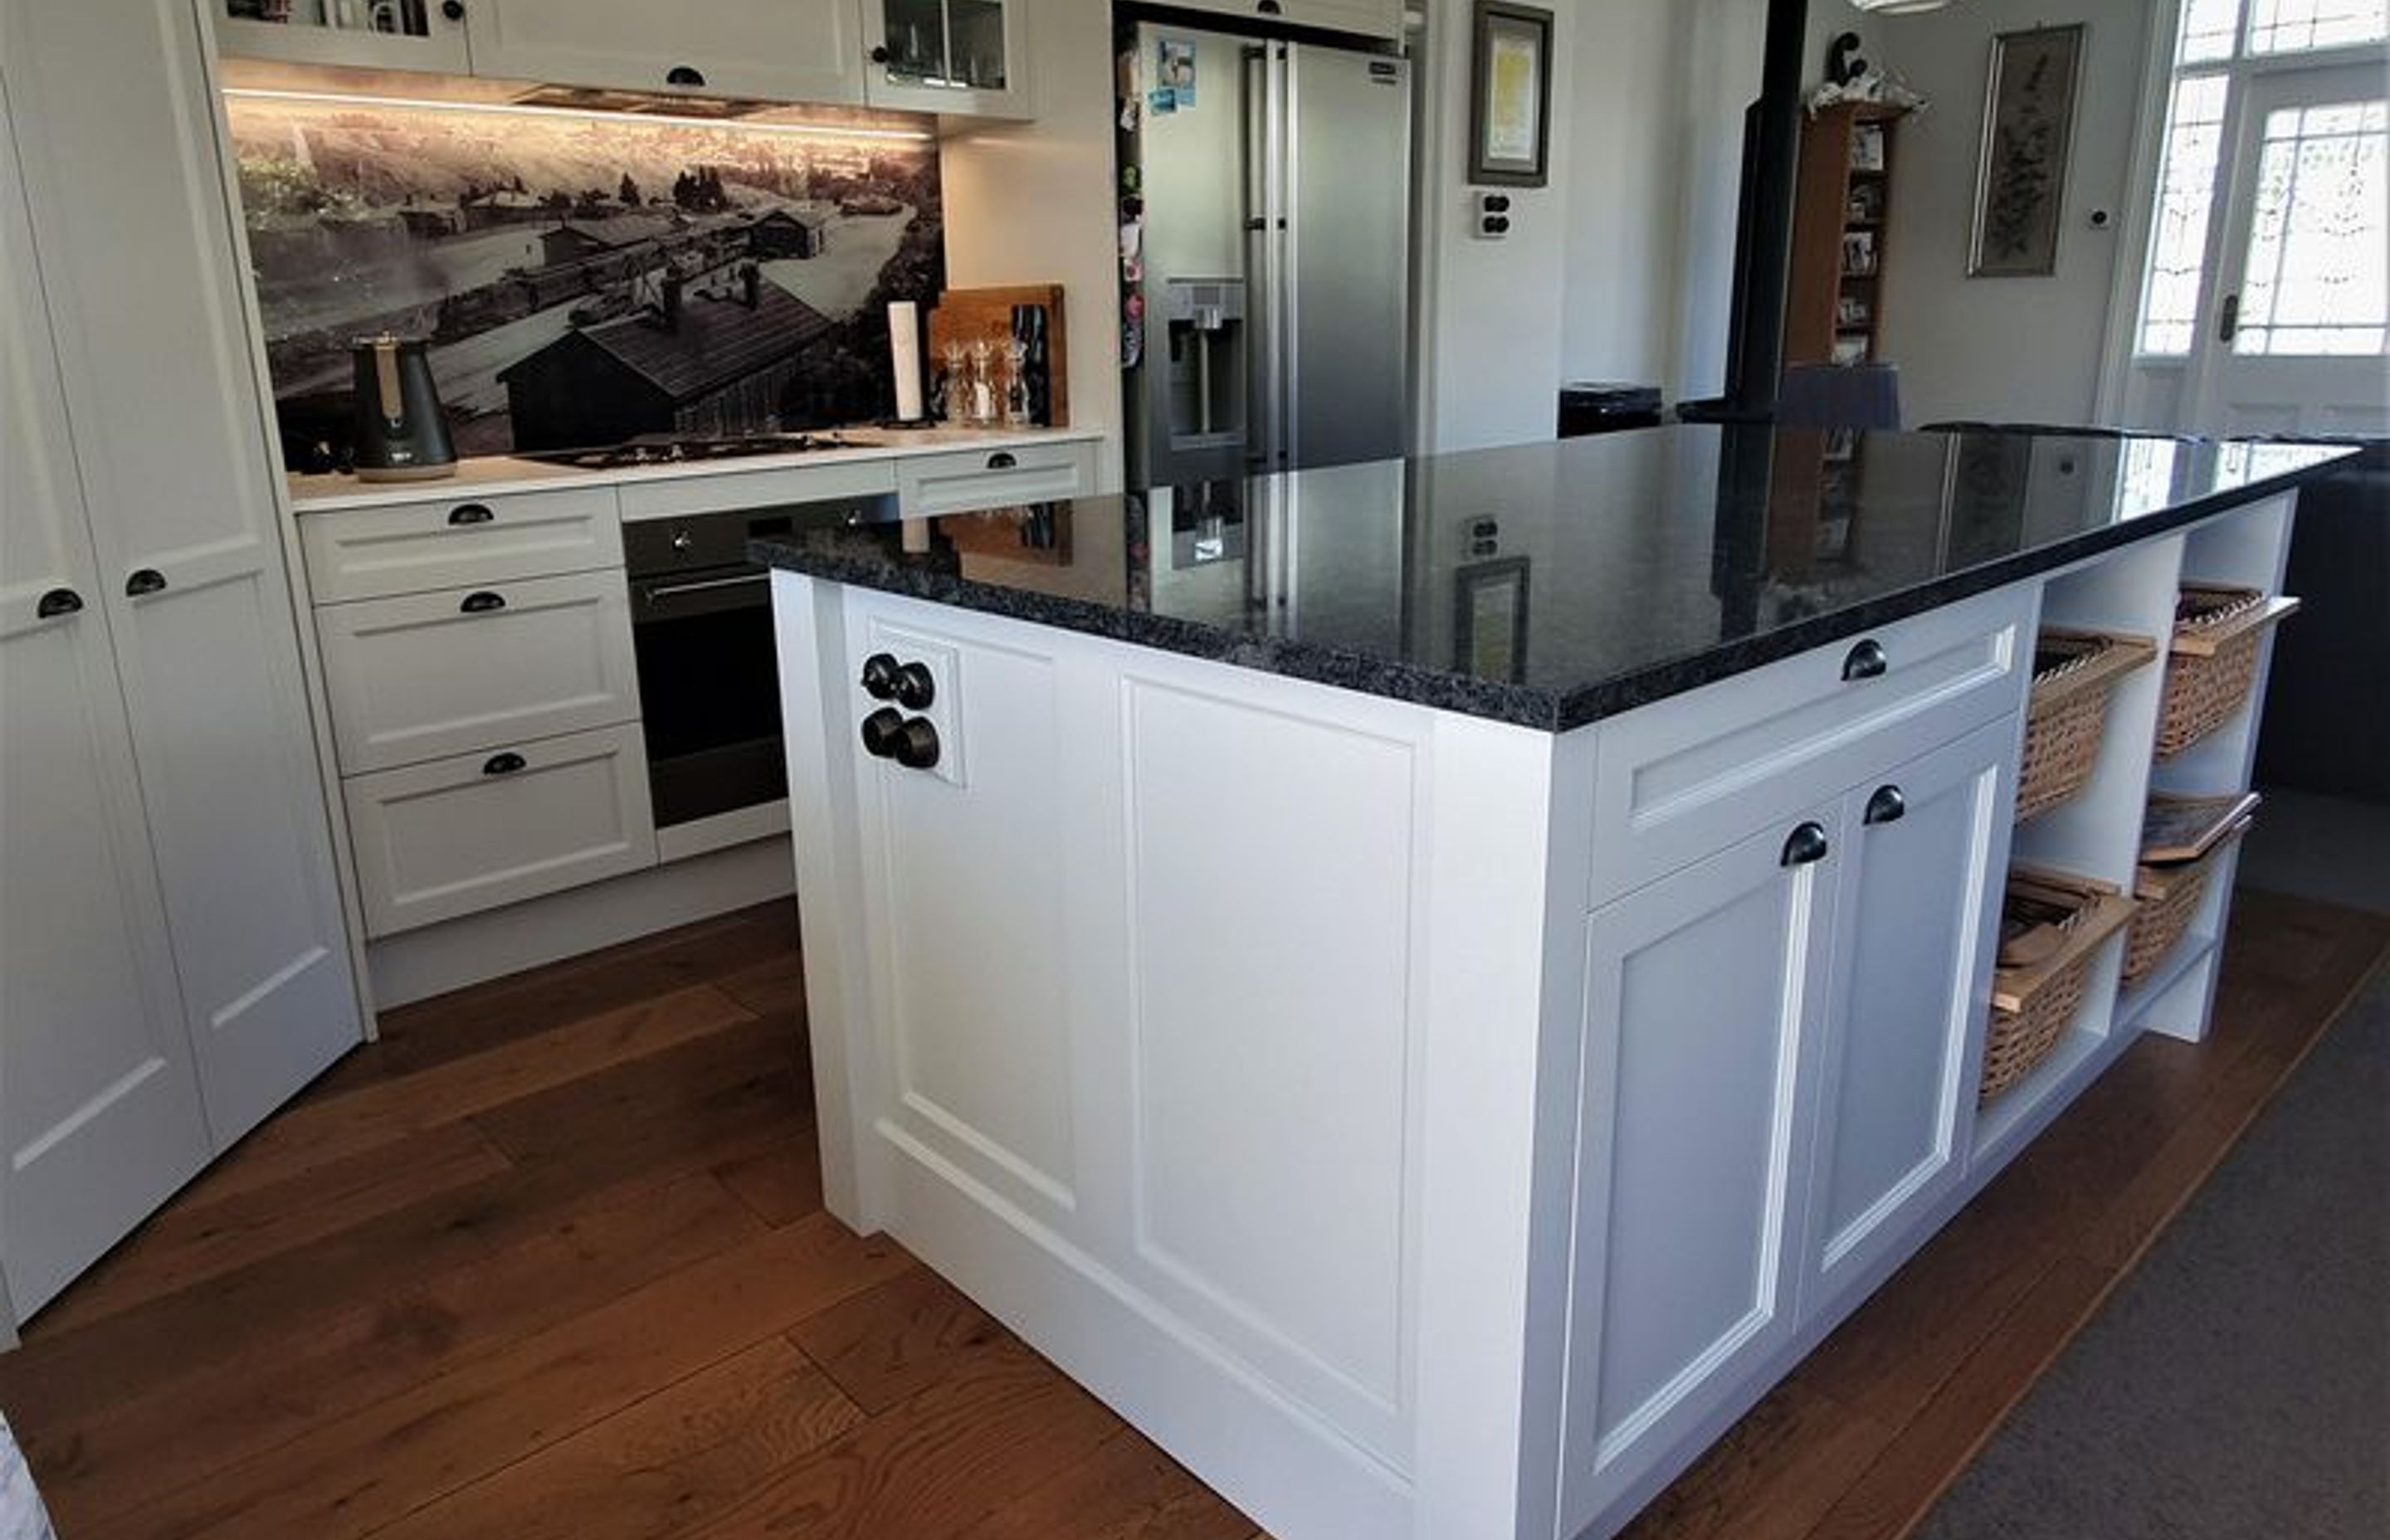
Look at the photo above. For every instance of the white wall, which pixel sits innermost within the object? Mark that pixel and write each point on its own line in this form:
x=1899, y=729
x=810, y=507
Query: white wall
x=1490, y=330
x=1653, y=170
x=1033, y=203
x=2003, y=349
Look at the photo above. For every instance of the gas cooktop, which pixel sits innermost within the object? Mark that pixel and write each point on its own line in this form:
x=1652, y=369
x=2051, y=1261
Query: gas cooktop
x=654, y=450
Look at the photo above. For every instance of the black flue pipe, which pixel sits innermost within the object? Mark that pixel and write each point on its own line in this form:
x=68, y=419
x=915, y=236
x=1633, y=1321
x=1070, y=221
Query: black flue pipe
x=1764, y=227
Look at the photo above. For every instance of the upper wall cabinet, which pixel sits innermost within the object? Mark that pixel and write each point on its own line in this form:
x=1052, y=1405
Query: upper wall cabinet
x=964, y=57
x=780, y=50
x=961, y=58
x=1363, y=18
x=370, y=34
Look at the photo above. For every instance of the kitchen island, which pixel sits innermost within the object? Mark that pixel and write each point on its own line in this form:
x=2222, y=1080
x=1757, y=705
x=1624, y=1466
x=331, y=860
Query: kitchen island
x=1429, y=985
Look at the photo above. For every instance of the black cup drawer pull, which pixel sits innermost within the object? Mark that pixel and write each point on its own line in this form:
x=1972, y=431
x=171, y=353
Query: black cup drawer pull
x=1866, y=660
x=470, y=513
x=148, y=580
x=1002, y=460
x=503, y=764
x=1888, y=806
x=57, y=602
x=681, y=74
x=481, y=603
x=1805, y=846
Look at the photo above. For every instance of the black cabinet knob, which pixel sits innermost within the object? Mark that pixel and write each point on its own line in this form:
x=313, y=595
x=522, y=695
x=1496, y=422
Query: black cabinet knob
x=914, y=687
x=1805, y=845
x=681, y=74
x=917, y=743
x=879, y=676
x=57, y=602
x=1866, y=660
x=470, y=513
x=148, y=580
x=1888, y=806
x=879, y=54
x=1001, y=461
x=483, y=602
x=880, y=731
x=502, y=764
x=453, y=10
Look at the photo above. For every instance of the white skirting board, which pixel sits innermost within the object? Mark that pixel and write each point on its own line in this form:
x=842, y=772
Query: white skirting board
x=416, y=965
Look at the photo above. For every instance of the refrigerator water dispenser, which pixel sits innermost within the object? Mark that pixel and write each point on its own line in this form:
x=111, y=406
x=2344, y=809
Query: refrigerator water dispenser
x=1205, y=358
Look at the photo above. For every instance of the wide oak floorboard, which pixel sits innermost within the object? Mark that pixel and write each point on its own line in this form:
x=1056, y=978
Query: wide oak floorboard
x=549, y=1260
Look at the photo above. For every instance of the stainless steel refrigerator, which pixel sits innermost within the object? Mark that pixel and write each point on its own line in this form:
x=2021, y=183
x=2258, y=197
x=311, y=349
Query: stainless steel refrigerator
x=1266, y=232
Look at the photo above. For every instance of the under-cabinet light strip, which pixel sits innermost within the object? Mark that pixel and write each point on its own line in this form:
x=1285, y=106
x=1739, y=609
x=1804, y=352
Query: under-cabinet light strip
x=425, y=104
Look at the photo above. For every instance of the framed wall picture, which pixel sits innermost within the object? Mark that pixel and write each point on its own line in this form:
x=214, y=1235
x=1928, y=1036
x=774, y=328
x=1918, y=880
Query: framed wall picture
x=2028, y=133
x=1510, y=95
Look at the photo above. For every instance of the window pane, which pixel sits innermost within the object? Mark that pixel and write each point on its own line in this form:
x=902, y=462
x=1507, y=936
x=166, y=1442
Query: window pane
x=2209, y=27
x=2292, y=26
x=2318, y=275
x=2194, y=138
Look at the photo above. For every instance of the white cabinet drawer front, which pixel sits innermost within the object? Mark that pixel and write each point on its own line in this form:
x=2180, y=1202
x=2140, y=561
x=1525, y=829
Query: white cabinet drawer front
x=428, y=674
x=1688, y=776
x=459, y=541
x=456, y=836
x=973, y=479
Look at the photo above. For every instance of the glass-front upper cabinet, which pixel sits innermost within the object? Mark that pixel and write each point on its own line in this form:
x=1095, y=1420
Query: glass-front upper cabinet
x=373, y=35
x=964, y=57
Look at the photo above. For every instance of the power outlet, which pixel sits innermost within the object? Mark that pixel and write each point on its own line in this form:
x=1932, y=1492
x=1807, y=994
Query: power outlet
x=1490, y=218
x=944, y=710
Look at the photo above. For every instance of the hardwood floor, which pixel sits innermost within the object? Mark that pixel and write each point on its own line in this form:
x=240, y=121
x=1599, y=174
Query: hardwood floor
x=550, y=1260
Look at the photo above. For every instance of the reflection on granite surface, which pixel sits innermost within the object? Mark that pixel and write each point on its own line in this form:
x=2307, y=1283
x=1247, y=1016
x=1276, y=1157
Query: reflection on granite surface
x=1549, y=584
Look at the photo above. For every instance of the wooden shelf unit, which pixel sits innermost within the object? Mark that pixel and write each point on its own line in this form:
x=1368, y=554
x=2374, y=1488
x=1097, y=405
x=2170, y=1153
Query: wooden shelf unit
x=1836, y=197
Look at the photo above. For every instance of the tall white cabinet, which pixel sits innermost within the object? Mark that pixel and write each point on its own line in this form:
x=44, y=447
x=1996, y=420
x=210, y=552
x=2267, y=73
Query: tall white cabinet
x=172, y=960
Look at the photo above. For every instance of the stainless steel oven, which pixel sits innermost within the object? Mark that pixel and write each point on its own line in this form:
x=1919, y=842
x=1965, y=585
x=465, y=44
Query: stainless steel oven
x=709, y=687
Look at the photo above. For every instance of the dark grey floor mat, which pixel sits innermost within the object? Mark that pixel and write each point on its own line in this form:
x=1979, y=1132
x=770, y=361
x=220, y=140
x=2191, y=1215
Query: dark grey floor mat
x=2237, y=1384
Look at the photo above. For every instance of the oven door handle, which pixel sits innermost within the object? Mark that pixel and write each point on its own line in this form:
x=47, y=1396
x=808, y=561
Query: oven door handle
x=663, y=591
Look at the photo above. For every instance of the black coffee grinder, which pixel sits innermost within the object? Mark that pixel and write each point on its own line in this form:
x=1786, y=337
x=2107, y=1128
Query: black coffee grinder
x=402, y=433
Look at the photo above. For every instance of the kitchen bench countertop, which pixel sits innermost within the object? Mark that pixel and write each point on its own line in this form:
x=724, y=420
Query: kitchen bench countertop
x=492, y=474
x=1551, y=584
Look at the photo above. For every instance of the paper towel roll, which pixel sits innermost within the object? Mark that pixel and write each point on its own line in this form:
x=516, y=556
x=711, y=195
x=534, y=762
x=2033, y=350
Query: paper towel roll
x=905, y=358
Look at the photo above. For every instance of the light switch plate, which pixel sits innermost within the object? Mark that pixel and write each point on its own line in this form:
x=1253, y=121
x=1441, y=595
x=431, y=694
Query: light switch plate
x=945, y=704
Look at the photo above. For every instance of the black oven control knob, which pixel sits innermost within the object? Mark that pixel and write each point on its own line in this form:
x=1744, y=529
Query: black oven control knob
x=917, y=743
x=879, y=676
x=882, y=731
x=682, y=540
x=915, y=688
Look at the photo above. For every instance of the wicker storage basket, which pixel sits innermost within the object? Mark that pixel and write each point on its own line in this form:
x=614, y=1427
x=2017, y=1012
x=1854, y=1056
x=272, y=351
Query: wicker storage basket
x=2167, y=894
x=2212, y=660
x=2074, y=674
x=2034, y=1002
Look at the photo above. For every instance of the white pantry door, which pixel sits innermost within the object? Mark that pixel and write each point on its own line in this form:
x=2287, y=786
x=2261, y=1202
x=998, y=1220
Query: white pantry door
x=2299, y=339
x=99, y=1112
x=116, y=136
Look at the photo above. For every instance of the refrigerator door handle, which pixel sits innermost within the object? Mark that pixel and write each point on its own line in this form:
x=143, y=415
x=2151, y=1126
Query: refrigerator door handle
x=1260, y=401
x=1270, y=350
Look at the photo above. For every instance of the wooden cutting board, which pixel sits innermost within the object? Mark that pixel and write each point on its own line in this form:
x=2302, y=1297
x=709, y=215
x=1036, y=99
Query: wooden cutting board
x=968, y=315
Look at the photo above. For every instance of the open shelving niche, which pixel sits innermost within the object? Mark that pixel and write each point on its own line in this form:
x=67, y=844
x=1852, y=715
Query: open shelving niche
x=2097, y=833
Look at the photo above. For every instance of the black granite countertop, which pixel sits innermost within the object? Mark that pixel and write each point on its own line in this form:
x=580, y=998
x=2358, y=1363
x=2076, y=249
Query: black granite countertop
x=1552, y=585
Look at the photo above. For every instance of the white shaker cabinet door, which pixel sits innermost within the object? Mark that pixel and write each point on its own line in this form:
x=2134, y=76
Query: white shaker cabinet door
x=962, y=873
x=146, y=309
x=1914, y=934
x=786, y=50
x=1703, y=997
x=99, y=1112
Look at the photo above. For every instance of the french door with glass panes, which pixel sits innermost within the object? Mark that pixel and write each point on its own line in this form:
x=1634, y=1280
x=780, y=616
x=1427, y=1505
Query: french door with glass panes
x=2301, y=319
x=2265, y=301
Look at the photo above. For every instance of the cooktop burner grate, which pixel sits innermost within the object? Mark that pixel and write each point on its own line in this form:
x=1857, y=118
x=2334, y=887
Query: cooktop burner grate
x=646, y=452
